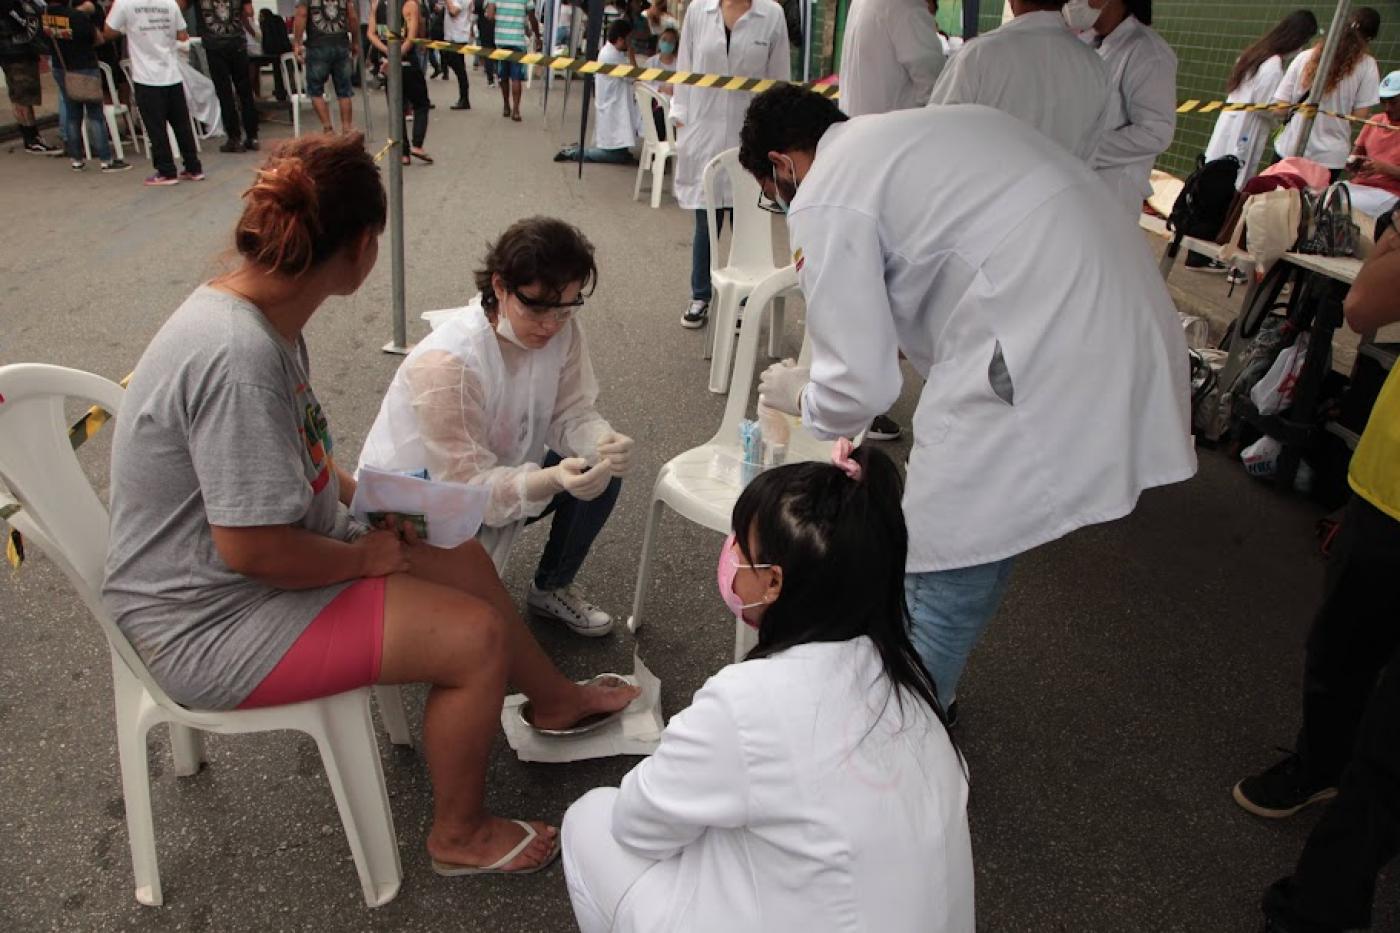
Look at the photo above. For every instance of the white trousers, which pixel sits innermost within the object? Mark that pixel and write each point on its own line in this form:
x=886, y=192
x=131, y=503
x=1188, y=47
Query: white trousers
x=598, y=870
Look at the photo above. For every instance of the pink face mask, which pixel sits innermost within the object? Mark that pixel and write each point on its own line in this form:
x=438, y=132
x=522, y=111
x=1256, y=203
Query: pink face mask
x=728, y=569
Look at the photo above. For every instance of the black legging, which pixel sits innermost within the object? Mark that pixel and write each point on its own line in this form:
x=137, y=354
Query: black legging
x=457, y=64
x=415, y=97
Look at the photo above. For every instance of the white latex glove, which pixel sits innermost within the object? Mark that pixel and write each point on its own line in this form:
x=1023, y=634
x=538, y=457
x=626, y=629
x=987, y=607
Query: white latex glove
x=617, y=450
x=781, y=386
x=574, y=477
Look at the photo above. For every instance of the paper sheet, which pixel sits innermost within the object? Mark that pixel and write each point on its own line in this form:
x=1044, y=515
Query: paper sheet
x=451, y=513
x=636, y=732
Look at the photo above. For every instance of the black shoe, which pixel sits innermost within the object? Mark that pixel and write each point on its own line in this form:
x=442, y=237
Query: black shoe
x=232, y=145
x=884, y=428
x=462, y=105
x=251, y=145
x=696, y=314
x=39, y=147
x=1281, y=791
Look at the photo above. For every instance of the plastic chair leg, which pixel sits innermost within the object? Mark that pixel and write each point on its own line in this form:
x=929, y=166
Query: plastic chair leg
x=136, y=783
x=724, y=313
x=187, y=746
x=351, y=758
x=644, y=570
x=658, y=180
x=87, y=146
x=776, y=322
x=642, y=166
x=114, y=132
x=391, y=713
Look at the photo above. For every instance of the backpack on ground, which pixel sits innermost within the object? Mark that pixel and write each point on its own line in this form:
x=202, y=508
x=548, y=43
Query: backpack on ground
x=1205, y=200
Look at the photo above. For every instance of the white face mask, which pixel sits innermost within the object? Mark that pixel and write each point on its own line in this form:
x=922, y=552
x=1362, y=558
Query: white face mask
x=1079, y=15
x=505, y=330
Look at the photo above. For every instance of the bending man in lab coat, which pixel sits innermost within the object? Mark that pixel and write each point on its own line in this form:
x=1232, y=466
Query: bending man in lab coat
x=891, y=56
x=615, y=132
x=1055, y=367
x=1035, y=69
x=1142, y=105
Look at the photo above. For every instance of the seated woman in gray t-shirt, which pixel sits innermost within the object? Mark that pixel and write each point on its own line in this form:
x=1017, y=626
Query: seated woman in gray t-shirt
x=233, y=566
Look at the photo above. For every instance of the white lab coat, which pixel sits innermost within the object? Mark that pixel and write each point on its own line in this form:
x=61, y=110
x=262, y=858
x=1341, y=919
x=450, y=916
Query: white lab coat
x=470, y=408
x=1035, y=69
x=1141, y=111
x=796, y=794
x=891, y=56
x=1244, y=135
x=712, y=119
x=1330, y=142
x=1008, y=259
x=615, y=105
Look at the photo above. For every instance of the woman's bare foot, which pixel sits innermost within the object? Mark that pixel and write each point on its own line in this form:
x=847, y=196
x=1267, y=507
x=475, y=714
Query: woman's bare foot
x=583, y=701
x=489, y=843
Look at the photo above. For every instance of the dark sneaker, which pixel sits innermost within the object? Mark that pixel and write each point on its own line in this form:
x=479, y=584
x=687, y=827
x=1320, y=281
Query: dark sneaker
x=191, y=176
x=160, y=181
x=1281, y=791
x=884, y=428
x=39, y=147
x=116, y=165
x=696, y=315
x=232, y=145
x=252, y=145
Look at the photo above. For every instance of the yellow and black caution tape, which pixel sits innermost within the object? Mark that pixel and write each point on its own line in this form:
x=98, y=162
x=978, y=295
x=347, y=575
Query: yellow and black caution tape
x=82, y=431
x=388, y=144
x=1222, y=106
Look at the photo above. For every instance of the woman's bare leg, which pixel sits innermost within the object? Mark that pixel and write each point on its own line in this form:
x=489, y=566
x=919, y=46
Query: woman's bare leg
x=558, y=702
x=457, y=643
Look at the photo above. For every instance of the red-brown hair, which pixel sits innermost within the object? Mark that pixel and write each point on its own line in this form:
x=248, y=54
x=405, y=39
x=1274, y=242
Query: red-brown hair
x=312, y=197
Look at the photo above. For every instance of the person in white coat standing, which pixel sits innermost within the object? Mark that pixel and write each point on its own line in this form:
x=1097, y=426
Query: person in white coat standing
x=1253, y=80
x=745, y=38
x=1054, y=363
x=891, y=56
x=1142, y=102
x=1035, y=69
x=811, y=787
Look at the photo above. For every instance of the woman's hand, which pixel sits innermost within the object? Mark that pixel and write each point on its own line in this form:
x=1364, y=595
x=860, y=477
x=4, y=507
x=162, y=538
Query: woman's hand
x=382, y=552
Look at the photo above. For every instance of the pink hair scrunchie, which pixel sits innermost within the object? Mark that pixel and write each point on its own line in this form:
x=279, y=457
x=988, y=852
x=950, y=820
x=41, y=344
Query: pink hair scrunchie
x=841, y=456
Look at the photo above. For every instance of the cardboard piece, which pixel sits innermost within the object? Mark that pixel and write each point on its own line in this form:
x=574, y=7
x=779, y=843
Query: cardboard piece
x=636, y=732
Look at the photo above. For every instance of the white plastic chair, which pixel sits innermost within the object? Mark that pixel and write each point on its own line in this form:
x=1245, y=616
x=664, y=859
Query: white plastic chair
x=61, y=515
x=295, y=78
x=688, y=482
x=655, y=150
x=110, y=113
x=750, y=261
x=141, y=124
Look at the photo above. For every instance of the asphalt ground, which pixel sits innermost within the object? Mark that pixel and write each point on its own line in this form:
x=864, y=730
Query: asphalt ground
x=1135, y=672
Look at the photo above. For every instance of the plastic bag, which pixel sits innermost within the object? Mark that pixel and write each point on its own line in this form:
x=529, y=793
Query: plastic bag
x=444, y=514
x=1274, y=392
x=1261, y=457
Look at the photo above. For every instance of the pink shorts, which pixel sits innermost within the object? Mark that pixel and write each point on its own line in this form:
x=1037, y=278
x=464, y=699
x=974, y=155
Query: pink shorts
x=340, y=650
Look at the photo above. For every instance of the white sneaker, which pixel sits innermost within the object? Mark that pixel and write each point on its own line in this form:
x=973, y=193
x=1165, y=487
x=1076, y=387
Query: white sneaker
x=696, y=313
x=567, y=605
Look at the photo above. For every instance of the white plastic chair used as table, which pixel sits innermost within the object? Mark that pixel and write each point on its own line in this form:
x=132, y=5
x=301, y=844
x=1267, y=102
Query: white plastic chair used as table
x=62, y=516
x=655, y=150
x=749, y=262
x=688, y=482
x=110, y=113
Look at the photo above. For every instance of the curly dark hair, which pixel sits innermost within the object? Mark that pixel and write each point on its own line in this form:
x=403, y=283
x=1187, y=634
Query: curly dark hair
x=540, y=251
x=785, y=118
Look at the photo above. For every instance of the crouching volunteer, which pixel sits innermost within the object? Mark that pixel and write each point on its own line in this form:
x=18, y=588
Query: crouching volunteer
x=503, y=395
x=233, y=566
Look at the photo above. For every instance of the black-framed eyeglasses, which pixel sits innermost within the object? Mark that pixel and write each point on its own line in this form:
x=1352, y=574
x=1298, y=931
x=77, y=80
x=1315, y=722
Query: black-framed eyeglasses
x=561, y=312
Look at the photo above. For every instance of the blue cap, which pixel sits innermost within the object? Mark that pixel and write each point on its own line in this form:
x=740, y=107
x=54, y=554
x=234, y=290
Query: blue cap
x=1390, y=87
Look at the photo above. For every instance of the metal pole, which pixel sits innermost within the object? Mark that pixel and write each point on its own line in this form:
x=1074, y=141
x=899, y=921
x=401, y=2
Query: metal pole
x=399, y=344
x=807, y=40
x=364, y=92
x=1324, y=66
x=548, y=26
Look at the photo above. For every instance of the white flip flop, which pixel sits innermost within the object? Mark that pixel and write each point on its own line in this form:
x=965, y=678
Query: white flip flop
x=498, y=867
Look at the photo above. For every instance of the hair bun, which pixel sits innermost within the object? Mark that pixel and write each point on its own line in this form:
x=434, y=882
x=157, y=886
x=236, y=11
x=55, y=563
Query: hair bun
x=286, y=183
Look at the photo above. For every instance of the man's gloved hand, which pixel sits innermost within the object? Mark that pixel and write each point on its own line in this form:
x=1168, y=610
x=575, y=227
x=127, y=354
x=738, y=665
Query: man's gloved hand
x=781, y=385
x=617, y=450
x=576, y=478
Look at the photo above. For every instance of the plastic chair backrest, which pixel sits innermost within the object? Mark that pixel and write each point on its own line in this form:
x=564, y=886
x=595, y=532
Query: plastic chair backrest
x=751, y=246
x=746, y=358
x=292, y=73
x=110, y=82
x=59, y=508
x=645, y=97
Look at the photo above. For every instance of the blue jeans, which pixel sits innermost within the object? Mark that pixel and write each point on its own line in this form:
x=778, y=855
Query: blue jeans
x=328, y=61
x=950, y=610
x=700, y=254
x=571, y=534
x=594, y=154
x=70, y=121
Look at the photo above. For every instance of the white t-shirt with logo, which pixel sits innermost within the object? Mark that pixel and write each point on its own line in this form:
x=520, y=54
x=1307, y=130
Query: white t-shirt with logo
x=151, y=28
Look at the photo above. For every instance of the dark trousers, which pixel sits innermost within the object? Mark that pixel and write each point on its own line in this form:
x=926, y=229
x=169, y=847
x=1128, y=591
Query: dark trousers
x=571, y=534
x=457, y=63
x=415, y=98
x=1351, y=731
x=700, y=289
x=228, y=69
x=161, y=106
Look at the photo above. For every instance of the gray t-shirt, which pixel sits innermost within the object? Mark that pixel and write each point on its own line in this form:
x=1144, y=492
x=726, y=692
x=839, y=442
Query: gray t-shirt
x=219, y=426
